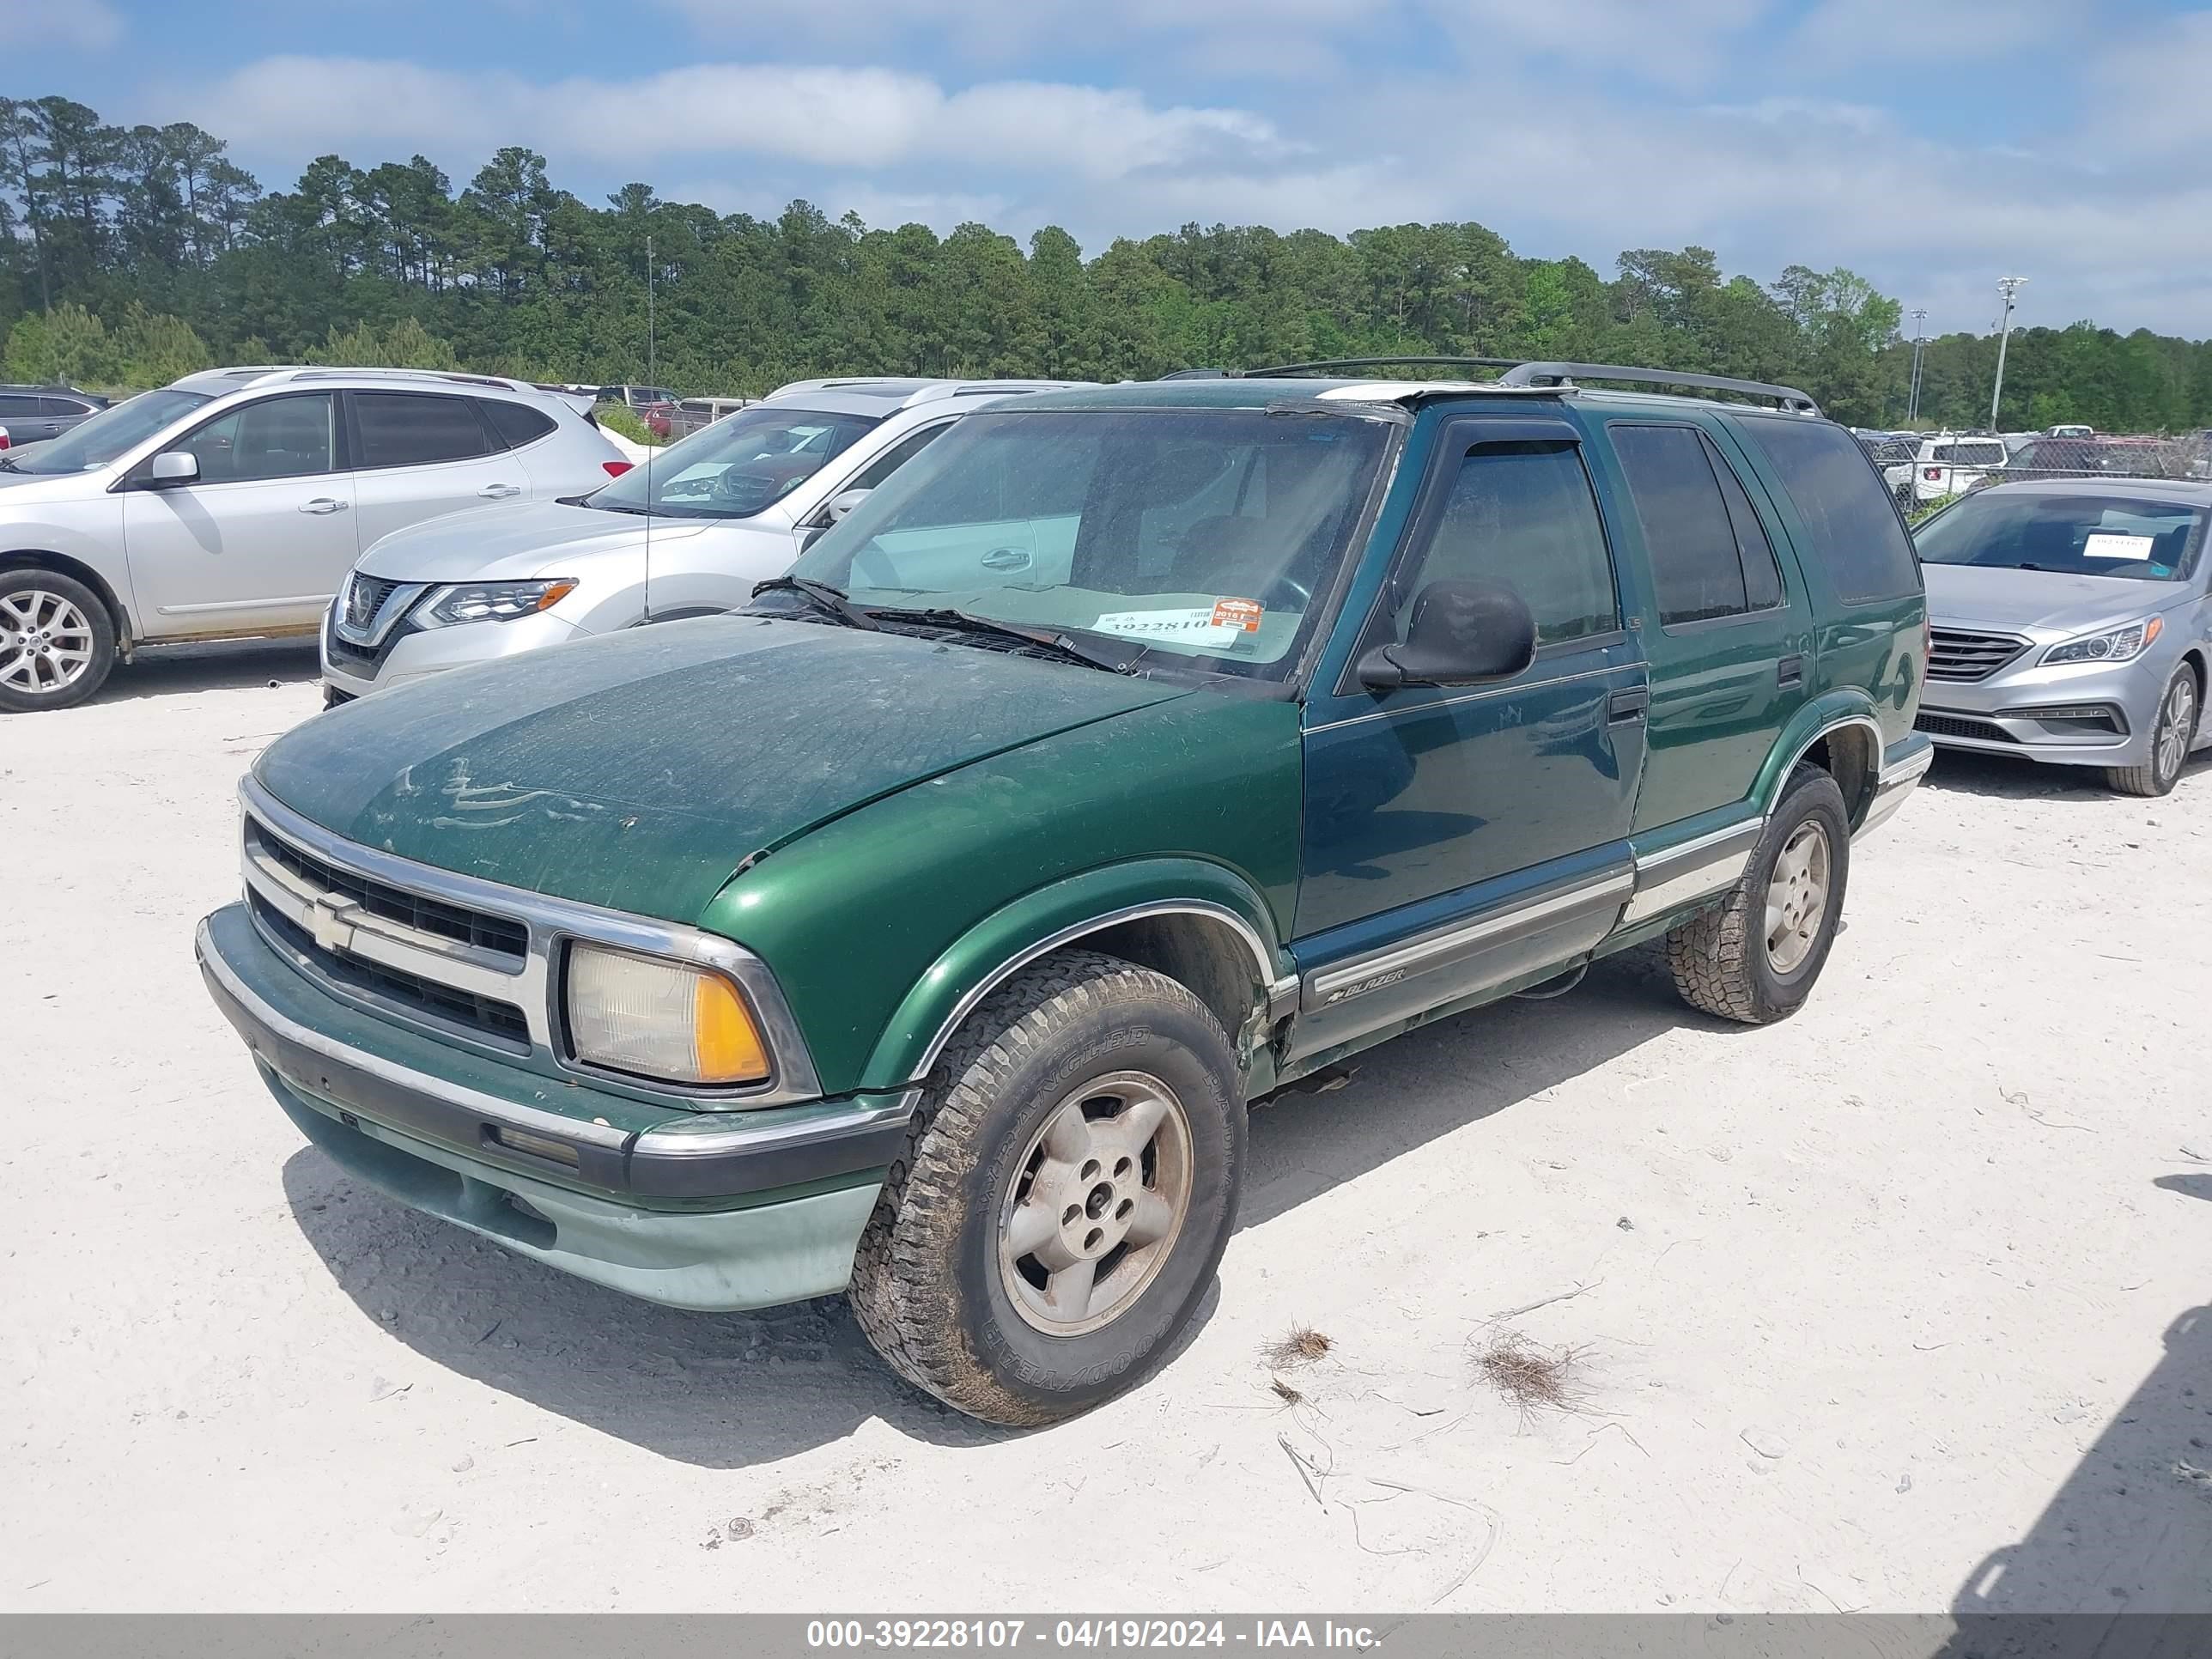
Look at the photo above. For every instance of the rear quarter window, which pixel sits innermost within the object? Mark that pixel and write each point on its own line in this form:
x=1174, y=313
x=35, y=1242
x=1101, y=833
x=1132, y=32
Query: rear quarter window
x=517, y=424
x=1851, y=528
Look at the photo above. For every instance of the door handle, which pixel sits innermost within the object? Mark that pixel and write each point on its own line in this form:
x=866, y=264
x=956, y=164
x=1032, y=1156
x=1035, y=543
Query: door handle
x=1790, y=673
x=1623, y=707
x=500, y=492
x=322, y=504
x=1006, y=558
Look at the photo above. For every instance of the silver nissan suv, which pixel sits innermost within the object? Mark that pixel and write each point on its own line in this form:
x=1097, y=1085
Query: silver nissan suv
x=231, y=504
x=689, y=532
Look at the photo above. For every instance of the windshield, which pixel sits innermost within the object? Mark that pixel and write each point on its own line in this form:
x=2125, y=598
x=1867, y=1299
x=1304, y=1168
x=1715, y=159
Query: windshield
x=1211, y=537
x=2077, y=535
x=109, y=433
x=740, y=465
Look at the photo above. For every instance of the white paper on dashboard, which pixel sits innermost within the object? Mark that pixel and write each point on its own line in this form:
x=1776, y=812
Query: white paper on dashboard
x=1194, y=627
x=2106, y=544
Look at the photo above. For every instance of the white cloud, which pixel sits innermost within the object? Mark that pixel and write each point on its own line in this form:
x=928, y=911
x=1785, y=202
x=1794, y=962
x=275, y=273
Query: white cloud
x=1845, y=35
x=71, y=25
x=815, y=115
x=1674, y=43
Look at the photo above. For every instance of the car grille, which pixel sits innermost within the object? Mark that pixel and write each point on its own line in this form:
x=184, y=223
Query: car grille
x=365, y=596
x=497, y=934
x=497, y=1019
x=1957, y=725
x=1962, y=656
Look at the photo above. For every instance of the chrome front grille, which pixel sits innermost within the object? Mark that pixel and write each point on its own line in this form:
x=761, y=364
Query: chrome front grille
x=1962, y=656
x=475, y=960
x=365, y=596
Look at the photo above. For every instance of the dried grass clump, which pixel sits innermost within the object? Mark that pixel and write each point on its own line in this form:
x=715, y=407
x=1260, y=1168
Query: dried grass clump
x=1532, y=1376
x=1302, y=1346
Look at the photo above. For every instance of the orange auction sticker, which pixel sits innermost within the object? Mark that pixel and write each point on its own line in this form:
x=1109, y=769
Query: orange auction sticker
x=1238, y=613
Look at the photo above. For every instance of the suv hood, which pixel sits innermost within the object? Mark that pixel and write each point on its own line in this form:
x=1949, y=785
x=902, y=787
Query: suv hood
x=23, y=489
x=1967, y=596
x=511, y=539
x=638, y=771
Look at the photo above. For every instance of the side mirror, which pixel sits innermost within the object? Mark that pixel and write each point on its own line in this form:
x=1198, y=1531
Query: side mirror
x=173, y=466
x=844, y=502
x=1460, y=633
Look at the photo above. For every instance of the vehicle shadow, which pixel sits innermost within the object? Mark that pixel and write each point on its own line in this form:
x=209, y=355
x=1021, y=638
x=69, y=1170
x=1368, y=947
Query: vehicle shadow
x=228, y=665
x=1968, y=772
x=2129, y=1532
x=731, y=1390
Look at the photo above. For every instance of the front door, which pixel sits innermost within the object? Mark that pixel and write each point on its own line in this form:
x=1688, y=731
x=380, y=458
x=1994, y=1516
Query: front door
x=1729, y=641
x=1458, y=837
x=260, y=542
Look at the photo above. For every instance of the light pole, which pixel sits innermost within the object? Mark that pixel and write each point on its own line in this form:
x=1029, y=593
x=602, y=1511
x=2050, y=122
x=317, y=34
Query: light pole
x=1919, y=341
x=2006, y=286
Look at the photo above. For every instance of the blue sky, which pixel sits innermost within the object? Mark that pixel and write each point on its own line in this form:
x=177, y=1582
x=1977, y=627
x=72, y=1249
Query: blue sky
x=1931, y=148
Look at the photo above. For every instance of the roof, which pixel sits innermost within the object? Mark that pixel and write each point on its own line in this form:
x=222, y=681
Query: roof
x=216, y=382
x=858, y=394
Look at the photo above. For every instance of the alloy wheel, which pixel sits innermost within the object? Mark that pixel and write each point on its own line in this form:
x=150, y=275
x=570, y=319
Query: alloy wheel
x=1797, y=897
x=2177, y=722
x=1096, y=1203
x=46, y=643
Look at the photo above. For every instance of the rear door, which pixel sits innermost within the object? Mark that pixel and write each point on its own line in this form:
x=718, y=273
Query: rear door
x=1725, y=624
x=421, y=454
x=261, y=540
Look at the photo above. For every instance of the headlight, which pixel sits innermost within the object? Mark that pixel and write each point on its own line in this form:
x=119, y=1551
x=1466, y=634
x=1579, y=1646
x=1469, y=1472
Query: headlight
x=660, y=1020
x=474, y=602
x=2114, y=645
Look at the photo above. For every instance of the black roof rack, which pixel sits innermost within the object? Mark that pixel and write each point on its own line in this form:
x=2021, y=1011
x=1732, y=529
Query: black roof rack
x=1535, y=375
x=1289, y=369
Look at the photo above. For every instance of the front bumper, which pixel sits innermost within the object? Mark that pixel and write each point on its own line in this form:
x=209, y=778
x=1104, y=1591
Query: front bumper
x=709, y=1211
x=404, y=656
x=1999, y=715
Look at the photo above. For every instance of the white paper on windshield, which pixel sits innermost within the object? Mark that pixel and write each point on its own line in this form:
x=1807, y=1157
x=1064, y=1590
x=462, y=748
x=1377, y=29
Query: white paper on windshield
x=2104, y=544
x=1194, y=627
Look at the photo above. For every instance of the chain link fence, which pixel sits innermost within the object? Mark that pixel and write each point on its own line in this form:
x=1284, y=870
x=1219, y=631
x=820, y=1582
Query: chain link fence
x=1923, y=469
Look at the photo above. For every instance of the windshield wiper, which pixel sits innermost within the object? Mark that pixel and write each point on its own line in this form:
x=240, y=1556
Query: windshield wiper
x=830, y=601
x=1114, y=657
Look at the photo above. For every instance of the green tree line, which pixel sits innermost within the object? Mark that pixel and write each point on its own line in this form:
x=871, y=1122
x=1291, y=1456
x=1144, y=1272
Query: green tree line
x=130, y=255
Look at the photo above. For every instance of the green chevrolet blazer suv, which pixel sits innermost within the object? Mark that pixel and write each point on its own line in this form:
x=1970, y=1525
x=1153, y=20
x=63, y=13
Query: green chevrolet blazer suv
x=925, y=930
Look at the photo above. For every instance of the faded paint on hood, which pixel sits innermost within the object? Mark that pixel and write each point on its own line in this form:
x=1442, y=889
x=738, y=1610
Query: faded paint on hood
x=638, y=769
x=1990, y=595
x=513, y=540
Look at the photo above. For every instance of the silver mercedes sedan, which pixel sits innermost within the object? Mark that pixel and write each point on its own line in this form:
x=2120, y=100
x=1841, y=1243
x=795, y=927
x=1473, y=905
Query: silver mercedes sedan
x=2069, y=623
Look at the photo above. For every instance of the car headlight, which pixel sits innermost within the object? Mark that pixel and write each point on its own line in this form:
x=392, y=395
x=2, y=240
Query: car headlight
x=2114, y=645
x=474, y=602
x=660, y=1019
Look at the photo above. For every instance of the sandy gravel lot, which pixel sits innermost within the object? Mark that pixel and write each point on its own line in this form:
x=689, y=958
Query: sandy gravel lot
x=1899, y=1306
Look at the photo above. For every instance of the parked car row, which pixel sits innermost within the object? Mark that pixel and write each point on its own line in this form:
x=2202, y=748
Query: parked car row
x=1077, y=766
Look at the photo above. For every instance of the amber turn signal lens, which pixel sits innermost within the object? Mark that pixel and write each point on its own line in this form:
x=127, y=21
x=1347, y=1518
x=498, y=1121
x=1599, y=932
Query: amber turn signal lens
x=723, y=1035
x=660, y=1019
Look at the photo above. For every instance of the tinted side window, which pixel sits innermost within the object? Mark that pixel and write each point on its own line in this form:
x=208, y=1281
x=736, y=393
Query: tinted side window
x=288, y=437
x=1695, y=567
x=1852, y=527
x=64, y=407
x=1522, y=514
x=1762, y=575
x=897, y=456
x=517, y=424
x=22, y=408
x=408, y=429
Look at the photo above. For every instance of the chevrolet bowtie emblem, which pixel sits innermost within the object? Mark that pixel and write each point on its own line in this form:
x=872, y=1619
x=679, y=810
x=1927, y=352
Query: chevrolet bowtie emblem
x=330, y=930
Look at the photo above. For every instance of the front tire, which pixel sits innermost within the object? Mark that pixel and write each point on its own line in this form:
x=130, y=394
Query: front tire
x=1071, y=1184
x=1755, y=957
x=2172, y=736
x=57, y=641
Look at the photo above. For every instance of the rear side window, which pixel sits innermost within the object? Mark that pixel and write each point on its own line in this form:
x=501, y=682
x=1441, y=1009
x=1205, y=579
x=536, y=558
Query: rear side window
x=517, y=424
x=1710, y=558
x=1522, y=514
x=1851, y=526
x=412, y=428
x=64, y=407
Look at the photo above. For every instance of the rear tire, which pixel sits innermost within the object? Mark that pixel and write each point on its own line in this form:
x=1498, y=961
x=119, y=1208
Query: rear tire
x=57, y=641
x=1755, y=955
x=2172, y=735
x=1030, y=1256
